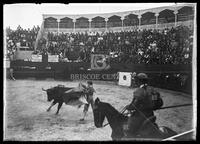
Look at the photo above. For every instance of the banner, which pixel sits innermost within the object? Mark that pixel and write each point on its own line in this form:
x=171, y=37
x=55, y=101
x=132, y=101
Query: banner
x=125, y=78
x=36, y=58
x=99, y=62
x=53, y=58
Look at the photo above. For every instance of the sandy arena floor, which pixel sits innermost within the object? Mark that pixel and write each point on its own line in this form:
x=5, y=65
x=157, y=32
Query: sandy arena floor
x=26, y=118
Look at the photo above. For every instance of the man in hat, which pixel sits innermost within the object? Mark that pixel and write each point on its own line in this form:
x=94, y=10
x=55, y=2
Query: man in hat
x=89, y=97
x=145, y=100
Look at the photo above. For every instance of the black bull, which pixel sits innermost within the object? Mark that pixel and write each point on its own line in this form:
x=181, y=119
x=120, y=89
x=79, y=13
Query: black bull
x=58, y=95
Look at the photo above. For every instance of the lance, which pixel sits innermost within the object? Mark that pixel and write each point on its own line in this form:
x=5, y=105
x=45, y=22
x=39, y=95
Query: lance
x=174, y=106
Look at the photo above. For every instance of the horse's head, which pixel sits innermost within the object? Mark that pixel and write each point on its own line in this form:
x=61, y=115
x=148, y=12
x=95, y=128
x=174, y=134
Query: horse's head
x=99, y=113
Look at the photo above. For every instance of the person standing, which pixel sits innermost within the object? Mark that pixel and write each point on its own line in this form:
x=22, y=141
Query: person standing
x=89, y=98
x=11, y=74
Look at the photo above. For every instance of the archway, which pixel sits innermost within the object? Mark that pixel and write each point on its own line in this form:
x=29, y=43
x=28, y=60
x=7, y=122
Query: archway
x=148, y=18
x=131, y=20
x=98, y=22
x=50, y=23
x=66, y=23
x=166, y=16
x=114, y=21
x=82, y=22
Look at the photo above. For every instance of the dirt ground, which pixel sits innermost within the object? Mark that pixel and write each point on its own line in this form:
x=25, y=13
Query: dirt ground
x=26, y=118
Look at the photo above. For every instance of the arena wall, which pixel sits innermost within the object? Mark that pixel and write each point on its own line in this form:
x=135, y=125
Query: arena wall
x=163, y=76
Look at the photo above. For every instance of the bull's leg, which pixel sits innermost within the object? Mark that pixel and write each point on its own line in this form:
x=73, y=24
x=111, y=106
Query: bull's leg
x=52, y=104
x=59, y=106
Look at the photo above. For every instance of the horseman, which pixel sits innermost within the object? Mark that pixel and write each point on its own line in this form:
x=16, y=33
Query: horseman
x=145, y=100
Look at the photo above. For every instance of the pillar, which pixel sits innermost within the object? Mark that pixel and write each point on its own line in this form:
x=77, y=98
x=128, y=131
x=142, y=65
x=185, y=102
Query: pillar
x=74, y=21
x=58, y=20
x=90, y=20
x=139, y=17
x=122, y=19
x=175, y=13
x=106, y=20
x=156, y=15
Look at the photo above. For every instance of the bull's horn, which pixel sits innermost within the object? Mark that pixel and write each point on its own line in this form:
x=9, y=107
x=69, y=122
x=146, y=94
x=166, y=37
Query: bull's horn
x=44, y=89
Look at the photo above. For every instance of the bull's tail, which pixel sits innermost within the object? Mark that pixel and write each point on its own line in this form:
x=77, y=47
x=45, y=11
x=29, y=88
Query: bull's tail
x=44, y=89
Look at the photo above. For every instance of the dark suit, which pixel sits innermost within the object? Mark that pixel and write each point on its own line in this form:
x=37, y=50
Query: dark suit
x=143, y=105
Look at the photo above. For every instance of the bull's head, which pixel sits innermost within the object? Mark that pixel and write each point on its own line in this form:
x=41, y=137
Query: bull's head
x=50, y=93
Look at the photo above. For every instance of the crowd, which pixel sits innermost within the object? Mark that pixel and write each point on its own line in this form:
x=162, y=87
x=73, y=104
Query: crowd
x=21, y=37
x=147, y=46
x=168, y=46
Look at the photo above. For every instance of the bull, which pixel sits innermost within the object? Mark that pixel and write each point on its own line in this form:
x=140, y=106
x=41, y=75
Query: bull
x=68, y=95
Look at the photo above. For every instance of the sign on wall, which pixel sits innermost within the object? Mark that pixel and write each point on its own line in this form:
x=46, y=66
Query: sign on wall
x=36, y=58
x=53, y=58
x=99, y=62
x=6, y=63
x=125, y=78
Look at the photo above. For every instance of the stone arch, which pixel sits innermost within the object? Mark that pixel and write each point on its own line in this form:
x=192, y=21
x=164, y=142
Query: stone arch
x=185, y=13
x=50, y=22
x=148, y=18
x=66, y=23
x=82, y=22
x=166, y=16
x=98, y=22
x=131, y=20
x=114, y=21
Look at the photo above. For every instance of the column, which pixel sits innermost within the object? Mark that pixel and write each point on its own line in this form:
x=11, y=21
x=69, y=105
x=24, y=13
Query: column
x=58, y=25
x=175, y=13
x=90, y=20
x=74, y=21
x=106, y=20
x=139, y=17
x=156, y=15
x=122, y=19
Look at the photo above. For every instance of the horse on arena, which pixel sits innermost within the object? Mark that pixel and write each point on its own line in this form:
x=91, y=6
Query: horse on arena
x=68, y=95
x=118, y=124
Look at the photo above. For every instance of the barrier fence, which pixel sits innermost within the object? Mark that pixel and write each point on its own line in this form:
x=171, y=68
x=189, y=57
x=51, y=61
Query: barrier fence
x=174, y=77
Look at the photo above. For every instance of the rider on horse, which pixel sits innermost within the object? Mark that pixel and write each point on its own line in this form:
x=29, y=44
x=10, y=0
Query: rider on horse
x=146, y=99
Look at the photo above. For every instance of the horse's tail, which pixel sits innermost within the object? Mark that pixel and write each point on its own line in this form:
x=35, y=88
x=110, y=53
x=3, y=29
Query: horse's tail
x=167, y=132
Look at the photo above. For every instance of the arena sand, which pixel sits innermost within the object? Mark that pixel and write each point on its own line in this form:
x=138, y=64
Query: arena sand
x=26, y=118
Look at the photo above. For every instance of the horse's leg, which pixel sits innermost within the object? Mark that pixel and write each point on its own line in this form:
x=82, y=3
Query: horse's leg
x=59, y=106
x=117, y=133
x=52, y=104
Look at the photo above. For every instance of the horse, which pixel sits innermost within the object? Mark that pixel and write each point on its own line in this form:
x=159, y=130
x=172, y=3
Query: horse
x=118, y=124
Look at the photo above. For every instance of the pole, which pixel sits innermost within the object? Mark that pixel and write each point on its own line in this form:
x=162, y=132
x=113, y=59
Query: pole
x=174, y=106
x=123, y=110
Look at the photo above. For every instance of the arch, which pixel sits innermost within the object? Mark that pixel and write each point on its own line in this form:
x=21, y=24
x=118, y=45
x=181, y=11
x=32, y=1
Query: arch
x=98, y=22
x=82, y=22
x=131, y=20
x=185, y=13
x=66, y=23
x=50, y=22
x=166, y=16
x=114, y=21
x=148, y=18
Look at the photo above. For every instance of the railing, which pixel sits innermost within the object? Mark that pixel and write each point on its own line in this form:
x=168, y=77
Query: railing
x=126, y=28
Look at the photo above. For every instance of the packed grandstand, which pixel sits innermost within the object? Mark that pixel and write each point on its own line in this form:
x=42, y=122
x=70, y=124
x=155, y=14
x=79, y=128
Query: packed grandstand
x=132, y=38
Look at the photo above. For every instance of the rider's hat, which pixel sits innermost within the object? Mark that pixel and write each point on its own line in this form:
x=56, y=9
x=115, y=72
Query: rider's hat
x=142, y=76
x=90, y=82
